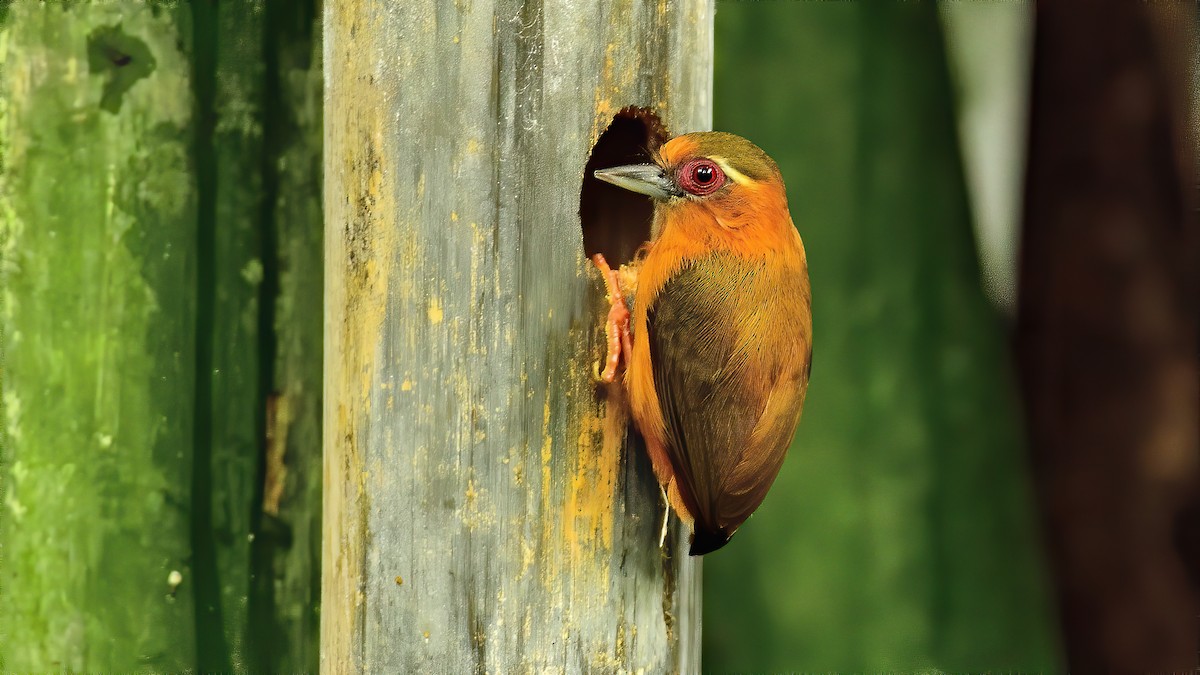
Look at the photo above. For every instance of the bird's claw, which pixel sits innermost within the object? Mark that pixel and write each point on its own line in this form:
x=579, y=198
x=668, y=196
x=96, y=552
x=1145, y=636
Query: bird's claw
x=616, y=327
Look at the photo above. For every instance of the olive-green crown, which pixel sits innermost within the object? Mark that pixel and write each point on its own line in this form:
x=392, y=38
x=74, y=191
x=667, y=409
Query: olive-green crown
x=739, y=153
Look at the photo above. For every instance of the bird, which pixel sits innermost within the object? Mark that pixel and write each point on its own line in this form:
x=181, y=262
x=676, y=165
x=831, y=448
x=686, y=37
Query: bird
x=717, y=348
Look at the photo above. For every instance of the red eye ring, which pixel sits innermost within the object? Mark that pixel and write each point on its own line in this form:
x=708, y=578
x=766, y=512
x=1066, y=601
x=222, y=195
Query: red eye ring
x=701, y=177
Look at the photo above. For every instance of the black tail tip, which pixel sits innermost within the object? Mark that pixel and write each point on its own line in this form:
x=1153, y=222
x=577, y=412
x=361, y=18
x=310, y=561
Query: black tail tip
x=707, y=541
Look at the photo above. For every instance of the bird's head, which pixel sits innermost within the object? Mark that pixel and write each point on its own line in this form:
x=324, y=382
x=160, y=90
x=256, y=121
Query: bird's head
x=722, y=174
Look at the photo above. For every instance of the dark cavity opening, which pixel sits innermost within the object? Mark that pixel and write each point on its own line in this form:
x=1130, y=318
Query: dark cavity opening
x=616, y=221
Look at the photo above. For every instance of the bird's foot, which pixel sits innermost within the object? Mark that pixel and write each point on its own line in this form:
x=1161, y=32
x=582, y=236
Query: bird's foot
x=616, y=327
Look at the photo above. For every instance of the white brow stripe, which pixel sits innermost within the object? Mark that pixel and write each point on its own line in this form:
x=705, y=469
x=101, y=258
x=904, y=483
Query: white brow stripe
x=737, y=176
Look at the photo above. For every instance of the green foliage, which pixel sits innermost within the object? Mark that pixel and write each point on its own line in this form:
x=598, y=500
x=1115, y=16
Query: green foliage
x=899, y=535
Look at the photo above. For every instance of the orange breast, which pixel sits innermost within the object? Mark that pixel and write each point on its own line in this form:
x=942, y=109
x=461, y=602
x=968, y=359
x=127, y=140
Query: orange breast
x=752, y=226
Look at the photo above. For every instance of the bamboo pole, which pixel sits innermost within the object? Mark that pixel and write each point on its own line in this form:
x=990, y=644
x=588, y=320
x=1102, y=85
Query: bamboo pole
x=479, y=516
x=160, y=244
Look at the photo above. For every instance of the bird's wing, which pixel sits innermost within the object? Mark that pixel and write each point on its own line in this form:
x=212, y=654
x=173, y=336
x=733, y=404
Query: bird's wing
x=729, y=345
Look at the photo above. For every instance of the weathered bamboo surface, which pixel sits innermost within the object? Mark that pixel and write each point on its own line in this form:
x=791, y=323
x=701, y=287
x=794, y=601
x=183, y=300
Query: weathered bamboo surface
x=478, y=517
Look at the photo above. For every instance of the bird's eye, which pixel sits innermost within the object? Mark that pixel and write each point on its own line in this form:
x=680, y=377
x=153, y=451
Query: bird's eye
x=701, y=177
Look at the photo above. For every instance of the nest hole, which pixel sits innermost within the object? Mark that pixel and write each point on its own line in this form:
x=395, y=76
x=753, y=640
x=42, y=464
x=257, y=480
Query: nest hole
x=617, y=222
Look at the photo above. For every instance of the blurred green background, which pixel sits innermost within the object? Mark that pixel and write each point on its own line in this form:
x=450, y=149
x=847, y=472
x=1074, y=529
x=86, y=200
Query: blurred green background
x=900, y=534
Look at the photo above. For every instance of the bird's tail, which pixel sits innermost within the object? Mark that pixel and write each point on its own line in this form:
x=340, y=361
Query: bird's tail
x=705, y=540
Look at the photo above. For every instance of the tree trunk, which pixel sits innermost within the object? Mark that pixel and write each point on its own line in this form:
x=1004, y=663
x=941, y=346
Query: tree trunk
x=1107, y=331
x=481, y=512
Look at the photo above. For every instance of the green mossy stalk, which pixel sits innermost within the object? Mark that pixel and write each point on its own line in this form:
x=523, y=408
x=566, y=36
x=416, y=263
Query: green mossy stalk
x=97, y=232
x=161, y=262
x=232, y=226
x=266, y=242
x=285, y=607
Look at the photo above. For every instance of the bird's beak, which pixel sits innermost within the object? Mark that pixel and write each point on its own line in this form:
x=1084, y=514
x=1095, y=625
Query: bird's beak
x=646, y=179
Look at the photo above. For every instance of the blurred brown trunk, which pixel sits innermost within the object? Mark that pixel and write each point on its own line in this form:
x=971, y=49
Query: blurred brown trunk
x=1107, y=329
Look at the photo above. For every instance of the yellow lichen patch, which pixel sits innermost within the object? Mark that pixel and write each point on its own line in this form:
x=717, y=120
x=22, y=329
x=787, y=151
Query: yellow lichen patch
x=603, y=104
x=590, y=505
x=526, y=554
x=476, y=509
x=547, y=443
x=549, y=571
x=588, y=516
x=362, y=239
x=374, y=182
x=368, y=274
x=434, y=311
